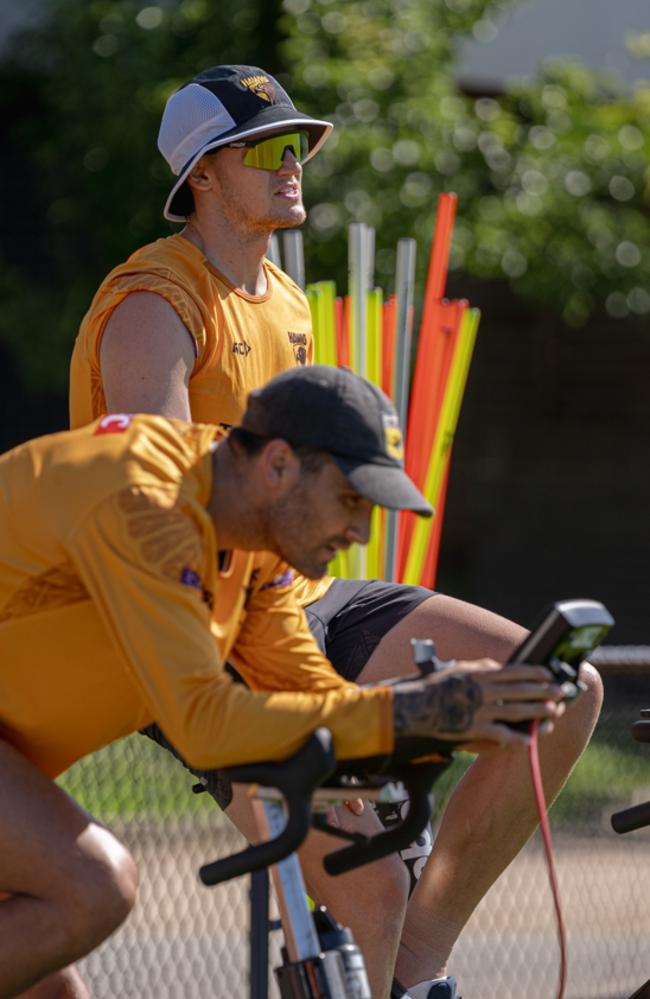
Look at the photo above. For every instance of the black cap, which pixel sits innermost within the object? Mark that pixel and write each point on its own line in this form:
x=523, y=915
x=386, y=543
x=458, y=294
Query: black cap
x=221, y=105
x=334, y=410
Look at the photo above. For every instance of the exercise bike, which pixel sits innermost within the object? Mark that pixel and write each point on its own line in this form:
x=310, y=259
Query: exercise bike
x=636, y=817
x=320, y=959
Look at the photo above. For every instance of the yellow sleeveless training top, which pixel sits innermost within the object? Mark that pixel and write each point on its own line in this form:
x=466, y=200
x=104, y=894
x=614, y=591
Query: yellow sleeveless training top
x=240, y=340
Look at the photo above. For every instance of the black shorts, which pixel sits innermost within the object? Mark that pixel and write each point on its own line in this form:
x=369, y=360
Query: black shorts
x=348, y=624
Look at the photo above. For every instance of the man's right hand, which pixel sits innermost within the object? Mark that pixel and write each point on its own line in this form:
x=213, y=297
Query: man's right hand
x=475, y=702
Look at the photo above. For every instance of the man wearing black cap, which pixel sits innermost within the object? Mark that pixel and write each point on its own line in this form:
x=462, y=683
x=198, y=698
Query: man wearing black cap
x=149, y=538
x=186, y=327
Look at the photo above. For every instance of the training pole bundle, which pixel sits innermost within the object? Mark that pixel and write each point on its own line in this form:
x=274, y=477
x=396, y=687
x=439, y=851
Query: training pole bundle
x=424, y=374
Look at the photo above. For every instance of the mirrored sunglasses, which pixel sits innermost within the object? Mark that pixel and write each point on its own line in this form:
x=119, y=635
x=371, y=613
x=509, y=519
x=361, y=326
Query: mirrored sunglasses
x=268, y=154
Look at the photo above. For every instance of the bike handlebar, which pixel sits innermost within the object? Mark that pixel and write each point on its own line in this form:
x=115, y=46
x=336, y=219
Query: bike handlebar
x=417, y=780
x=632, y=818
x=638, y=816
x=297, y=778
x=641, y=730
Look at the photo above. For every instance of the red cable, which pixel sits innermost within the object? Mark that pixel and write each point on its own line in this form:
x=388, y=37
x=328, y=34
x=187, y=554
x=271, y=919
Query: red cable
x=538, y=787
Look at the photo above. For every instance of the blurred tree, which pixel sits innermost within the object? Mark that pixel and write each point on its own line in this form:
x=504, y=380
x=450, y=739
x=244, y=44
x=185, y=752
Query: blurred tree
x=81, y=97
x=551, y=175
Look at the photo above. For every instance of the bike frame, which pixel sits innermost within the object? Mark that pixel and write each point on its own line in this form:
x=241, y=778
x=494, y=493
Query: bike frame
x=321, y=960
x=638, y=816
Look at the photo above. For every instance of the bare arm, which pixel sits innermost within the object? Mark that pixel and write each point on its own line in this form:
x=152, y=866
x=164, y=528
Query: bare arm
x=146, y=358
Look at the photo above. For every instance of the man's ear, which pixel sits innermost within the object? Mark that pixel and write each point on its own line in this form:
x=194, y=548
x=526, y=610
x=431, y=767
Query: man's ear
x=199, y=179
x=280, y=466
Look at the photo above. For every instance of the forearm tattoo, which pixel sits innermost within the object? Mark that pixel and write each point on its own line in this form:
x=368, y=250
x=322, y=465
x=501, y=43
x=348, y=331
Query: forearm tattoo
x=432, y=709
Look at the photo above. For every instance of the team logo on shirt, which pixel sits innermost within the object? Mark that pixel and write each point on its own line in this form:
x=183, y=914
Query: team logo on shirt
x=261, y=86
x=191, y=578
x=284, y=579
x=299, y=343
x=242, y=348
x=115, y=423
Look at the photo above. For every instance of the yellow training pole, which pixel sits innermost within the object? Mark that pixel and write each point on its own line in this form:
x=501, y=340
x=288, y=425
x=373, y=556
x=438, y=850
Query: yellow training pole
x=313, y=300
x=327, y=320
x=321, y=296
x=442, y=441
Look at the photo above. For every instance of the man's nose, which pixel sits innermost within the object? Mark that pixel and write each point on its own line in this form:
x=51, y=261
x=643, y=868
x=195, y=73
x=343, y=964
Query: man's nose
x=290, y=165
x=359, y=532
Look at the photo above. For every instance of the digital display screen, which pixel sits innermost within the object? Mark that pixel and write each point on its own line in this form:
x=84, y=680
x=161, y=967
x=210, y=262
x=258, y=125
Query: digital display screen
x=580, y=641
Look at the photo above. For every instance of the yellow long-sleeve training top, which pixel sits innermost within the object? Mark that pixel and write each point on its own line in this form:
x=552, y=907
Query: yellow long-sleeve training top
x=117, y=608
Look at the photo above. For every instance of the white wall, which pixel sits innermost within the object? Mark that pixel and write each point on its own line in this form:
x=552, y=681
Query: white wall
x=592, y=31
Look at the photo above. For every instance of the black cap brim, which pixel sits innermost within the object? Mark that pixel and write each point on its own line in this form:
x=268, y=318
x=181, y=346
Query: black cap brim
x=385, y=485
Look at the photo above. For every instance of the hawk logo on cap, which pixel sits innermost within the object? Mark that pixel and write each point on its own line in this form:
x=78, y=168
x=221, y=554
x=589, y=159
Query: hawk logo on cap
x=261, y=86
x=392, y=436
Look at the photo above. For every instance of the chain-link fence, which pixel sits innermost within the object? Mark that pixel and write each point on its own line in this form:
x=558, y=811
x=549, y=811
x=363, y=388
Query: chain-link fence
x=184, y=941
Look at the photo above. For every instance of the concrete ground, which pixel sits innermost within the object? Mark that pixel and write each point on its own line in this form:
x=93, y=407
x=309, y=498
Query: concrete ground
x=185, y=941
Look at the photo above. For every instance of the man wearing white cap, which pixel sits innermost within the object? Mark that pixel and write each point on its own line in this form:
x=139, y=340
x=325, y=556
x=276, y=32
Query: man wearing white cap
x=186, y=327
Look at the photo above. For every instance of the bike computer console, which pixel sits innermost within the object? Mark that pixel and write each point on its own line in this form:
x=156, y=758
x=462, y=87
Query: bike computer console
x=563, y=637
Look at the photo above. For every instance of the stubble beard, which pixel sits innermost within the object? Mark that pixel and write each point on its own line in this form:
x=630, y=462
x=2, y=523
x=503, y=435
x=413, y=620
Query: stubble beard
x=296, y=217
x=247, y=219
x=285, y=521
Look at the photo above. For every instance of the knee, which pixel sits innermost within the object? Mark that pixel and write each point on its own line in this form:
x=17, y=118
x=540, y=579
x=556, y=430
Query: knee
x=393, y=884
x=375, y=896
x=594, y=686
x=584, y=713
x=102, y=891
x=384, y=895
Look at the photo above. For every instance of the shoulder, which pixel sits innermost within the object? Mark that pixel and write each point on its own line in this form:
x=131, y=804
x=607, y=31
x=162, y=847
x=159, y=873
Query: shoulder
x=167, y=273
x=167, y=447
x=171, y=257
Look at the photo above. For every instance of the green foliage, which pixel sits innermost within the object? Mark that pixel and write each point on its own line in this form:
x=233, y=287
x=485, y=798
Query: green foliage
x=612, y=773
x=382, y=70
x=134, y=779
x=82, y=94
x=551, y=175
x=565, y=216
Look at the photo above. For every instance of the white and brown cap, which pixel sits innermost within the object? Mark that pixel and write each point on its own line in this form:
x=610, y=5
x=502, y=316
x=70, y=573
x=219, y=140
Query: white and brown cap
x=221, y=105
